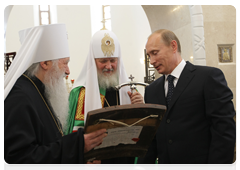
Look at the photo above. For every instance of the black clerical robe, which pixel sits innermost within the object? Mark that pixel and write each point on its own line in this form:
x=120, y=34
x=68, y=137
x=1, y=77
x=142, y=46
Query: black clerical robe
x=30, y=133
x=112, y=97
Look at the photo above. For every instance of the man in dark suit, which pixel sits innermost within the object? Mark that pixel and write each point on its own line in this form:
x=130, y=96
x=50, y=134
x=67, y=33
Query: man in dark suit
x=198, y=126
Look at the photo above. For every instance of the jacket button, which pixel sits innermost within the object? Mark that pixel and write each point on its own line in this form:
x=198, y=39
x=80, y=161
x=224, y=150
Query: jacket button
x=170, y=141
x=168, y=120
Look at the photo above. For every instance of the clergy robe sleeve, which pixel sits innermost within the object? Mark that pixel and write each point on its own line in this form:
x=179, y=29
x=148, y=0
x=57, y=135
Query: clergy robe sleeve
x=31, y=136
x=73, y=101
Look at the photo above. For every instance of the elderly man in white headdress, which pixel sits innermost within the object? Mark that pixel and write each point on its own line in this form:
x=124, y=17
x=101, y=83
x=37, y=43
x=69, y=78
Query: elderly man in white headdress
x=36, y=102
x=94, y=88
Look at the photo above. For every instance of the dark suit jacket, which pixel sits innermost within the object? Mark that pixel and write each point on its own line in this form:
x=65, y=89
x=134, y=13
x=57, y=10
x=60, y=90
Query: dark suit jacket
x=198, y=126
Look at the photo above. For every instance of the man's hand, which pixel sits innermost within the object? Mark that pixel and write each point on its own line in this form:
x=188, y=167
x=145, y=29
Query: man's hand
x=94, y=139
x=92, y=165
x=135, y=97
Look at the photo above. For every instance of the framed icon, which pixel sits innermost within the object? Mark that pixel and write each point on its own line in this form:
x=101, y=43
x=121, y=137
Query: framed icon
x=225, y=53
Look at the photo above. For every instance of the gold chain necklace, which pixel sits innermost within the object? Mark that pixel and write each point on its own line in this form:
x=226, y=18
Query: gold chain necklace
x=107, y=101
x=60, y=130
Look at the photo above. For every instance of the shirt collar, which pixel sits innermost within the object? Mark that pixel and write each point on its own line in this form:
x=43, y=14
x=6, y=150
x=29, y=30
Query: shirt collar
x=178, y=70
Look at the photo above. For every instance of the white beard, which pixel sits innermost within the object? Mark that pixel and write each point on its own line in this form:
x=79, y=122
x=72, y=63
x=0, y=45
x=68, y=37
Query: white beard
x=56, y=93
x=107, y=81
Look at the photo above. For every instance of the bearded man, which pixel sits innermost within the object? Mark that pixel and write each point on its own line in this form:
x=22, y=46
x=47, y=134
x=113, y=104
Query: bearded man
x=36, y=102
x=95, y=86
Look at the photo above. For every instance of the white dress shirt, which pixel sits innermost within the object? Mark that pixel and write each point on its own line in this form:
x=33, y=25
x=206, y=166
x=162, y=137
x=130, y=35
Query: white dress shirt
x=176, y=73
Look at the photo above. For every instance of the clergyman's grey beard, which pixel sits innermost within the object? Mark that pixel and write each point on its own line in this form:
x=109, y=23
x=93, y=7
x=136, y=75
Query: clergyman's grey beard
x=105, y=80
x=57, y=94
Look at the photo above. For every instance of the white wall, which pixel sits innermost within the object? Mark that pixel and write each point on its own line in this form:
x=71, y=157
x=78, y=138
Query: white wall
x=21, y=17
x=7, y=12
x=130, y=24
x=78, y=23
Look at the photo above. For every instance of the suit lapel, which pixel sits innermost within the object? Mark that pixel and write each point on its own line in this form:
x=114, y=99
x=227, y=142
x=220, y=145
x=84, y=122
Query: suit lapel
x=184, y=79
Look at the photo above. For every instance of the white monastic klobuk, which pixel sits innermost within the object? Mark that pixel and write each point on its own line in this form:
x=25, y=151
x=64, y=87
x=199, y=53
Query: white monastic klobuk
x=41, y=43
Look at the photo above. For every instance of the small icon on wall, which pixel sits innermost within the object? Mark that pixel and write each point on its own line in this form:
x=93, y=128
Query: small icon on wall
x=225, y=53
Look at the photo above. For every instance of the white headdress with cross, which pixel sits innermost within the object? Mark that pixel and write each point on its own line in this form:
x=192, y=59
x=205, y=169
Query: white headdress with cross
x=88, y=76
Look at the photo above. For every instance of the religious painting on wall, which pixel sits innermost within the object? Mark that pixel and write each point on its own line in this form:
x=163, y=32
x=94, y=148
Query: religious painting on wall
x=225, y=53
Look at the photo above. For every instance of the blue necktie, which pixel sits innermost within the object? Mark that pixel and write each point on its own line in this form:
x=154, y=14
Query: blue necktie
x=170, y=79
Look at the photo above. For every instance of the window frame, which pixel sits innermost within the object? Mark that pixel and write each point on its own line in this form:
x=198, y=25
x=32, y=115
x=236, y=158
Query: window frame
x=44, y=11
